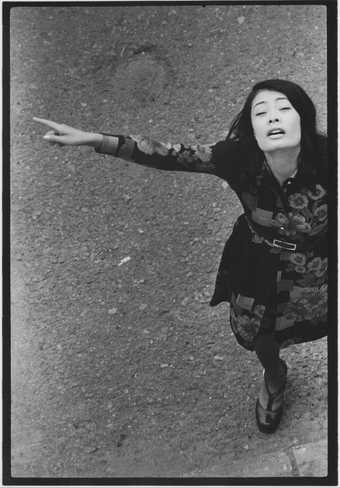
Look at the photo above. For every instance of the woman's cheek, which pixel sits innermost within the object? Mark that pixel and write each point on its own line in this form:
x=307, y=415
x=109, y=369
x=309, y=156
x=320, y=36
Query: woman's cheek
x=260, y=139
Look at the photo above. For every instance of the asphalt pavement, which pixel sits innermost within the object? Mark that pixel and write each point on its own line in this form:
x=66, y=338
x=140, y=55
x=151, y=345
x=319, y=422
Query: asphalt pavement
x=119, y=366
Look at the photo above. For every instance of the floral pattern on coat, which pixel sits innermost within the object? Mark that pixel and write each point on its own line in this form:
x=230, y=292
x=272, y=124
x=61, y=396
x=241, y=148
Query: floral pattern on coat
x=307, y=213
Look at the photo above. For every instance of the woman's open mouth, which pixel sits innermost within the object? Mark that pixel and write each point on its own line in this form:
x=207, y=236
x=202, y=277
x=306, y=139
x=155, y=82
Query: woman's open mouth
x=276, y=133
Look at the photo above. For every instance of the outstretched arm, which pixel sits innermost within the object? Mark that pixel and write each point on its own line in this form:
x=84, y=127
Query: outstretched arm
x=148, y=152
x=138, y=149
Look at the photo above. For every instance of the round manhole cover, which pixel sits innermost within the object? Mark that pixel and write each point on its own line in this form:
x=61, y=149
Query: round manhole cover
x=142, y=79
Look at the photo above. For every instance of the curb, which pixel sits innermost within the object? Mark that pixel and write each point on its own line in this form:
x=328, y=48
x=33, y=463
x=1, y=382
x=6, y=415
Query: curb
x=304, y=460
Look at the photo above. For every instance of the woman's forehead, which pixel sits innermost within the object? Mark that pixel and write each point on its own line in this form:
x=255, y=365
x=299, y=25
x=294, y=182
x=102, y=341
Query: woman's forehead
x=268, y=96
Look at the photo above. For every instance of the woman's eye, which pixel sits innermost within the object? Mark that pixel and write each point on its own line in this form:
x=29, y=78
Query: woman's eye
x=260, y=113
x=285, y=108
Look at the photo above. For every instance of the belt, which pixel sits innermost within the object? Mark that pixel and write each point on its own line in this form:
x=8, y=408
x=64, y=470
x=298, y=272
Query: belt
x=285, y=245
x=288, y=246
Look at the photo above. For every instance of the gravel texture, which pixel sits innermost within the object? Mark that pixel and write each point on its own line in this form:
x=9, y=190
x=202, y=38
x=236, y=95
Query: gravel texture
x=119, y=366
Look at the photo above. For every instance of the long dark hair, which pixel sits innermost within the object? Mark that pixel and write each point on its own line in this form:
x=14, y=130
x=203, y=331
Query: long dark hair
x=313, y=144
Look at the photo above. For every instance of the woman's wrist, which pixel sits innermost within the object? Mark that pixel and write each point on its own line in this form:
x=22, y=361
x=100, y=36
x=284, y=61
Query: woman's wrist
x=93, y=139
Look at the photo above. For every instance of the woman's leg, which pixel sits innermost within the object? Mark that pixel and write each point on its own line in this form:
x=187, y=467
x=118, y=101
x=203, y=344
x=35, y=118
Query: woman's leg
x=268, y=352
x=269, y=405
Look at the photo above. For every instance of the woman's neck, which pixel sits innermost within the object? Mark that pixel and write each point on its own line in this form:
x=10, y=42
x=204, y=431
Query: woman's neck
x=283, y=162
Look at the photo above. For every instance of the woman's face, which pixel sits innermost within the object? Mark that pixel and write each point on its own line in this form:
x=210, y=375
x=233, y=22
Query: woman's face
x=276, y=123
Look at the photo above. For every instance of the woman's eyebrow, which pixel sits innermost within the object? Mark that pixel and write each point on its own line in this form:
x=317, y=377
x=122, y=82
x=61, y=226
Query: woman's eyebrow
x=258, y=103
x=264, y=101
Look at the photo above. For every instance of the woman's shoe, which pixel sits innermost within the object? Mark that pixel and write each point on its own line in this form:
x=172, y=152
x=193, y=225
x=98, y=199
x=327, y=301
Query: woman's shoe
x=268, y=419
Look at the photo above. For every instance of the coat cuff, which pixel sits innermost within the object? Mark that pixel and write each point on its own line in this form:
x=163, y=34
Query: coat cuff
x=108, y=145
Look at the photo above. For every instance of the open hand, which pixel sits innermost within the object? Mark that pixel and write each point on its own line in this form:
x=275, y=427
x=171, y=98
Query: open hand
x=64, y=135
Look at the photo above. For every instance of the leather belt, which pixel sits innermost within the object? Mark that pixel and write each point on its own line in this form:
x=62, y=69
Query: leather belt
x=288, y=246
x=285, y=245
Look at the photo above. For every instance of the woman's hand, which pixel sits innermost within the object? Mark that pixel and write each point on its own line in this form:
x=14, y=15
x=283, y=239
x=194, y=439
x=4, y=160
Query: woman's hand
x=64, y=135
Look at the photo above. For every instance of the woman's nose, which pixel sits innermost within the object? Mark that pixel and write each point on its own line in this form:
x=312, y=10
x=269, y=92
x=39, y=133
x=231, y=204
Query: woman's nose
x=274, y=117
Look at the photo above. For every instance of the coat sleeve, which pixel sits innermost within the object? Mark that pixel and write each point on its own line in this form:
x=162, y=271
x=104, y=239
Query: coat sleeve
x=178, y=157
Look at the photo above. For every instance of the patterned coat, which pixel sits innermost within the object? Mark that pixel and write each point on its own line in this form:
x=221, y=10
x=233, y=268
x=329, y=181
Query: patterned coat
x=273, y=270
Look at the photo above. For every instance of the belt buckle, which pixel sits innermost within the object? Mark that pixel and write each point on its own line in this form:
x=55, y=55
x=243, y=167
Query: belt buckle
x=290, y=246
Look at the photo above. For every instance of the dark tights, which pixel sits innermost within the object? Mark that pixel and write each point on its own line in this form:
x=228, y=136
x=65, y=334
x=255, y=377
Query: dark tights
x=268, y=352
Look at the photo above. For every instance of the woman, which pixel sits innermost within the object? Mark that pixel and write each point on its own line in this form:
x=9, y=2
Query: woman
x=274, y=266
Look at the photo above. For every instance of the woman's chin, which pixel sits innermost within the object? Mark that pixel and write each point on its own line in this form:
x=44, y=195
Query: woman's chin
x=280, y=145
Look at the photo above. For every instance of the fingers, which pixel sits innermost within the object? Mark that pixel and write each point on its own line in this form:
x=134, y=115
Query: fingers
x=49, y=123
x=52, y=137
